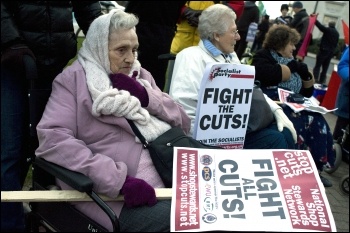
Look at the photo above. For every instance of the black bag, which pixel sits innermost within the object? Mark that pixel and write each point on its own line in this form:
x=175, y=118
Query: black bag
x=161, y=149
x=260, y=115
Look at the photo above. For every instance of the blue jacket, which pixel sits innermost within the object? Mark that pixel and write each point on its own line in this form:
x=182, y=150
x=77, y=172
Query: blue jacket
x=342, y=102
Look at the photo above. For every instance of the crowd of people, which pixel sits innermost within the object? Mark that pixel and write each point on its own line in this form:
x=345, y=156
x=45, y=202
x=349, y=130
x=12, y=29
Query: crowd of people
x=116, y=78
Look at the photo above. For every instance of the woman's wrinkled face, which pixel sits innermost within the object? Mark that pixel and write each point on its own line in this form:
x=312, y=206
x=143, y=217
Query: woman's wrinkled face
x=287, y=51
x=226, y=42
x=122, y=46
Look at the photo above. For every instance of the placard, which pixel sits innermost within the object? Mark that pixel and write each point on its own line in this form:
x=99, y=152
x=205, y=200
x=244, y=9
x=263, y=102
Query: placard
x=223, y=105
x=248, y=190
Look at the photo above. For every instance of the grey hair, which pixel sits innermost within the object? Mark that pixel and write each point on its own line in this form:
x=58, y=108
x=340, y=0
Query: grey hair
x=122, y=20
x=215, y=19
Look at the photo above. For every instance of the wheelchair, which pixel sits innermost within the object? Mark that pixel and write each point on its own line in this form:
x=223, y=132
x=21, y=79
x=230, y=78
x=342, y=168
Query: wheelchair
x=344, y=184
x=341, y=146
x=344, y=142
x=57, y=216
x=62, y=216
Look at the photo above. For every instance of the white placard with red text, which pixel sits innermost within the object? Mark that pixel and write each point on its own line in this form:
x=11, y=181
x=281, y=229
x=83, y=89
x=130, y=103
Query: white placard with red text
x=248, y=190
x=223, y=105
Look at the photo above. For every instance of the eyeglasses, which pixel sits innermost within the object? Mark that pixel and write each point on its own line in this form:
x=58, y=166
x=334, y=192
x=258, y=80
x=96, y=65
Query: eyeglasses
x=235, y=32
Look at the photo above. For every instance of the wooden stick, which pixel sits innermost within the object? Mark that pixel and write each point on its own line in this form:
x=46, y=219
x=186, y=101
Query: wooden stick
x=278, y=102
x=66, y=195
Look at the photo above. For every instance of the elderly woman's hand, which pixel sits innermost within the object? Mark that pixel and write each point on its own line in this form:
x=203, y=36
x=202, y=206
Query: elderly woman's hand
x=138, y=192
x=124, y=82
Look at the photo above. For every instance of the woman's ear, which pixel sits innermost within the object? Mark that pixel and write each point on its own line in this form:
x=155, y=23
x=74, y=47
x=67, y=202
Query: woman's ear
x=216, y=37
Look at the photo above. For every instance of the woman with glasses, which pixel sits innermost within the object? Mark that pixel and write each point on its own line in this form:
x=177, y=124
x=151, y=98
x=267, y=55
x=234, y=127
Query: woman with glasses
x=218, y=36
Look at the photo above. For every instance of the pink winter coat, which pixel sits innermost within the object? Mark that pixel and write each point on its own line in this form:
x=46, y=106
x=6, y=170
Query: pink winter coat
x=103, y=148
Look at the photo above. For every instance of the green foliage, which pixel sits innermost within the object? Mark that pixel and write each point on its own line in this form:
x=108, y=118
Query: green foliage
x=28, y=181
x=80, y=42
x=314, y=47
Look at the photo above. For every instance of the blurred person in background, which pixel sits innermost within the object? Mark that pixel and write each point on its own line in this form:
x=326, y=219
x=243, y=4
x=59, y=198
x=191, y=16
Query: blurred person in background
x=186, y=28
x=263, y=27
x=155, y=31
x=327, y=47
x=284, y=18
x=300, y=22
x=250, y=15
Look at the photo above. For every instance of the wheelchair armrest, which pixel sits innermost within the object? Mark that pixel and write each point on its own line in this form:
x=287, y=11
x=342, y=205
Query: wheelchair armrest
x=167, y=56
x=280, y=103
x=79, y=182
x=74, y=179
x=107, y=4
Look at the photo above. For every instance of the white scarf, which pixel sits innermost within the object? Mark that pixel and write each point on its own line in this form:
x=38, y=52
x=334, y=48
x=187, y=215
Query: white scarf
x=107, y=100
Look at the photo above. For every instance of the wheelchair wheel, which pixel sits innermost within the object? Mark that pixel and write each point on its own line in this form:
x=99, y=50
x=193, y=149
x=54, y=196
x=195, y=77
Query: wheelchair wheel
x=338, y=159
x=344, y=184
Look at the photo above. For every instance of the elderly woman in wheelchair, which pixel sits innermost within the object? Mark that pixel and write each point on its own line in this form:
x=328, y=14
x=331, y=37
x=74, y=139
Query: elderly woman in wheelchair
x=84, y=127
